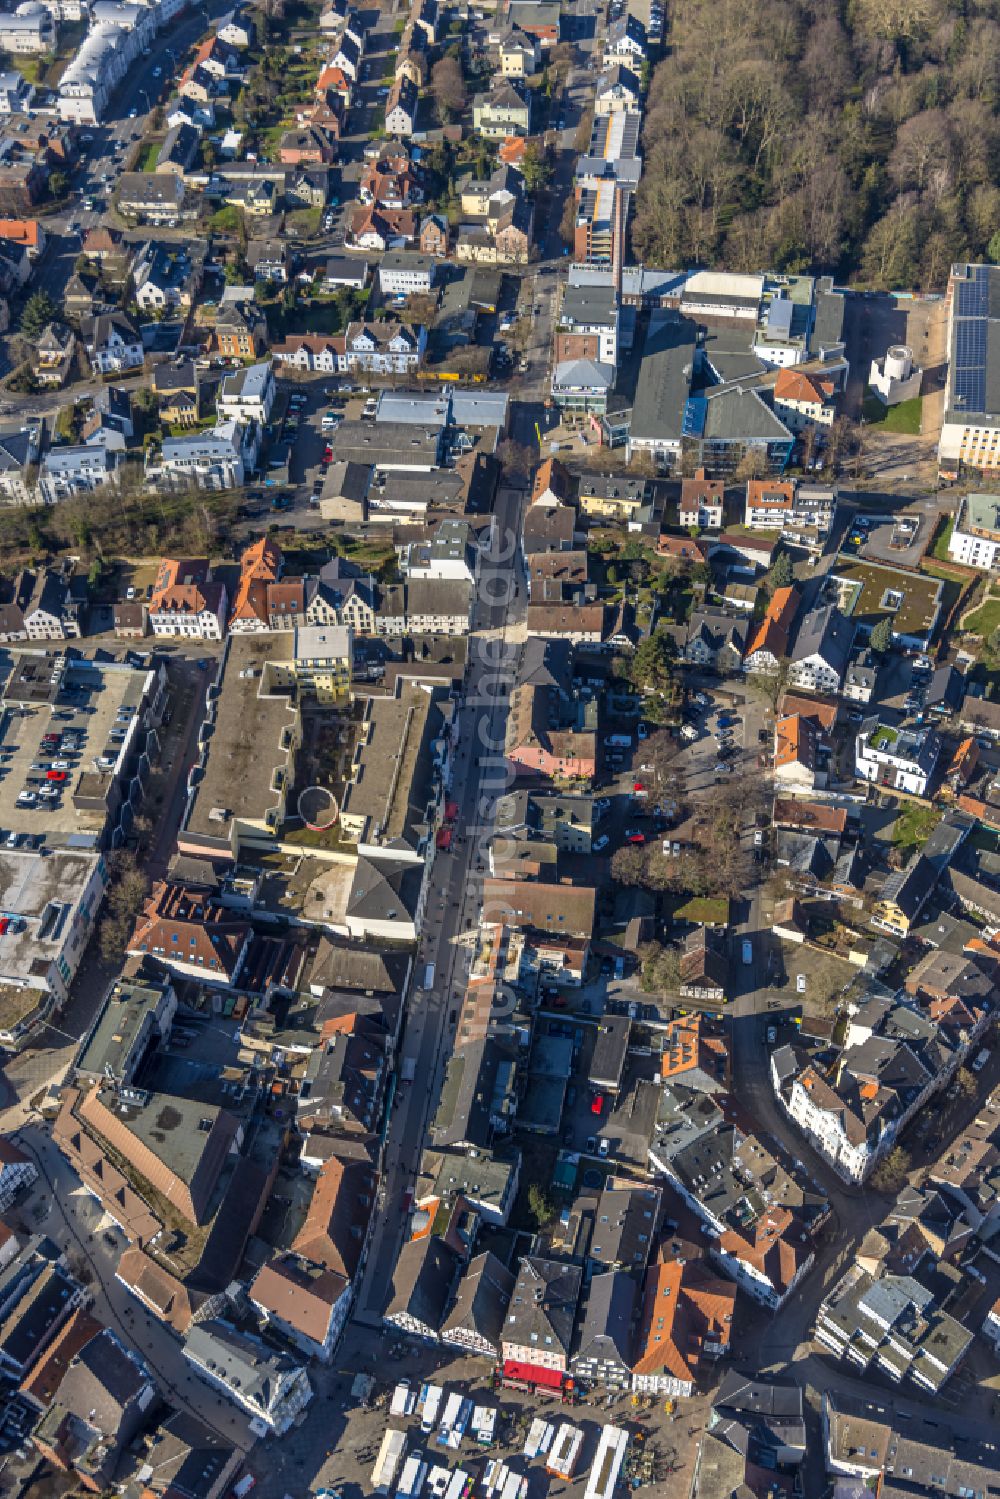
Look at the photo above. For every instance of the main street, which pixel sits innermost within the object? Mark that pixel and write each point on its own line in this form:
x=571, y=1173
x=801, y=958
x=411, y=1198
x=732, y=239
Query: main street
x=455, y=890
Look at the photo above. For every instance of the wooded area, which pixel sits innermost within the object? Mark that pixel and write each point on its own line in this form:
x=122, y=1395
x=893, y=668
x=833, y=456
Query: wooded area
x=794, y=137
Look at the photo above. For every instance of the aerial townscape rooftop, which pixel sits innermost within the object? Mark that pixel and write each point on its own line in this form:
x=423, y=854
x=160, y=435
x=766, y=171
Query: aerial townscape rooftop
x=499, y=751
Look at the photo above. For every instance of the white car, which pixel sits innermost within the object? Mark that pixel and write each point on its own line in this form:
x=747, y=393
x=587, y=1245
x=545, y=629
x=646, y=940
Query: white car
x=133, y=113
x=800, y=983
x=600, y=843
x=157, y=72
x=603, y=1147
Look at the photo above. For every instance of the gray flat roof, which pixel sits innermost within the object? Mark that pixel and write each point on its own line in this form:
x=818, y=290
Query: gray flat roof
x=664, y=380
x=246, y=748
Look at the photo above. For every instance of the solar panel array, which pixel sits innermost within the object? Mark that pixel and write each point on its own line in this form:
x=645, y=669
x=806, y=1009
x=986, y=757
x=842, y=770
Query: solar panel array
x=974, y=295
x=971, y=338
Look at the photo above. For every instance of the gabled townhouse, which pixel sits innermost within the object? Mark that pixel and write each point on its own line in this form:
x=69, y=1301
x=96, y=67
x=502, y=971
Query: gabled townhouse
x=186, y=601
x=269, y=260
x=401, y=107
x=165, y=277
x=422, y=1280
x=906, y=891
x=626, y=44
x=552, y=483
x=385, y=348
x=382, y=229
x=519, y=54
x=240, y=326
x=795, y=753
x=602, y=1349
x=716, y=640
x=270, y=1386
x=617, y=91
x=179, y=150
x=894, y=1058
x=821, y=650
x=434, y=236
x=703, y=968
x=901, y=758
x=701, y=503
x=152, y=197
x=191, y=935
x=347, y=57
x=307, y=145
x=49, y=604
x=686, y=1323
x=304, y=1303
x=477, y=1315
x=503, y=111
x=261, y=565
x=53, y=353
x=236, y=29
x=860, y=677
x=391, y=181
x=102, y=1401
x=768, y=648
x=538, y=1329
x=804, y=402
x=112, y=343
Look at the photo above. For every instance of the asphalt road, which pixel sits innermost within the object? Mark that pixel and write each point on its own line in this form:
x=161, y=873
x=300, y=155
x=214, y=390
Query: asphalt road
x=454, y=896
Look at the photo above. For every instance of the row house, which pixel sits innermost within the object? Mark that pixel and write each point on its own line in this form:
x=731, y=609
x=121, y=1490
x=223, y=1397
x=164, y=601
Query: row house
x=186, y=601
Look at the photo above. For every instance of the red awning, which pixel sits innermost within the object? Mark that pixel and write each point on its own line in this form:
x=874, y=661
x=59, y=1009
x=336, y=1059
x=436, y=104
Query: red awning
x=450, y=811
x=551, y=1379
x=443, y=839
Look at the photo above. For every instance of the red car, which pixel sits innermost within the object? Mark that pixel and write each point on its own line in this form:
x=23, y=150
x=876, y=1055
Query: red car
x=55, y=775
x=635, y=837
x=597, y=1104
x=638, y=786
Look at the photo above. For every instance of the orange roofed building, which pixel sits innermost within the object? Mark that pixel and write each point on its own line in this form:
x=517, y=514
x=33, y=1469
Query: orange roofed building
x=192, y=935
x=695, y=1052
x=795, y=752
x=261, y=565
x=186, y=601
x=770, y=644
x=803, y=401
x=27, y=234
x=687, y=1320
x=552, y=484
x=769, y=1257
x=45, y=1378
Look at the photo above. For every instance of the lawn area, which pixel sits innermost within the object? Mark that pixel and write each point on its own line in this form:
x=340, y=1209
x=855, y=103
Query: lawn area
x=148, y=152
x=303, y=222
x=709, y=910
x=942, y=537
x=984, y=620
x=225, y=220
x=306, y=317
x=904, y=418
x=914, y=825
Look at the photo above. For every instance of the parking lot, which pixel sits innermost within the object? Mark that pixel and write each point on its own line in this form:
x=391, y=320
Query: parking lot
x=49, y=745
